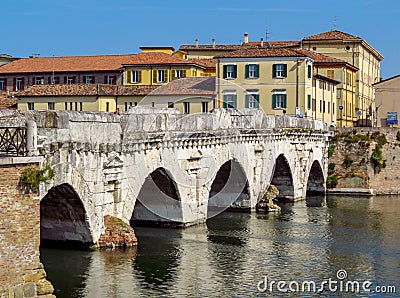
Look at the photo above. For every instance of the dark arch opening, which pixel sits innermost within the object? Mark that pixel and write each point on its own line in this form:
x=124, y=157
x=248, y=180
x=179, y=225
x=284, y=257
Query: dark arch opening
x=283, y=180
x=63, y=219
x=316, y=180
x=229, y=190
x=158, y=202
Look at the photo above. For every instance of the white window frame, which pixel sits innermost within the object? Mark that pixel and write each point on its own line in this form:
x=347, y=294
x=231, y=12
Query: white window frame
x=70, y=80
x=18, y=84
x=279, y=100
x=252, y=71
x=186, y=107
x=230, y=70
x=280, y=70
x=89, y=79
x=204, y=107
x=178, y=73
x=160, y=75
x=50, y=105
x=39, y=80
x=110, y=80
x=135, y=76
x=252, y=99
x=31, y=106
x=2, y=84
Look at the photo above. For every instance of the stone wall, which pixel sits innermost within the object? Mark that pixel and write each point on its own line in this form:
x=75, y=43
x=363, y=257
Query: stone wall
x=357, y=145
x=21, y=273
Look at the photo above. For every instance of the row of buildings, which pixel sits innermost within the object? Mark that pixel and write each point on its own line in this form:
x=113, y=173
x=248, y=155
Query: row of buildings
x=328, y=76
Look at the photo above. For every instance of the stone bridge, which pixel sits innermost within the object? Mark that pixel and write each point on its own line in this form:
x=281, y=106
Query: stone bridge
x=158, y=166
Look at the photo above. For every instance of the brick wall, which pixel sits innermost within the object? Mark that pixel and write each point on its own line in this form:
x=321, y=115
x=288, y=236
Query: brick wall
x=21, y=273
x=361, y=173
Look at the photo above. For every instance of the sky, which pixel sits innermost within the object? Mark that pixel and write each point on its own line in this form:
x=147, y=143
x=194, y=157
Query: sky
x=100, y=27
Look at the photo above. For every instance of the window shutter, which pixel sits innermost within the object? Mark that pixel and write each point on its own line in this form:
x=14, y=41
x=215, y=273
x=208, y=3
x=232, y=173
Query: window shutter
x=84, y=79
x=225, y=104
x=285, y=70
x=73, y=79
x=105, y=80
x=257, y=97
x=274, y=70
x=128, y=77
x=65, y=79
x=154, y=76
x=14, y=84
x=23, y=84
x=284, y=101
x=247, y=100
x=246, y=72
x=235, y=71
x=93, y=79
x=273, y=101
x=184, y=73
x=309, y=101
x=49, y=80
x=225, y=71
x=139, y=76
x=235, y=101
x=33, y=81
x=257, y=71
x=5, y=85
x=115, y=80
x=173, y=73
x=309, y=71
x=165, y=75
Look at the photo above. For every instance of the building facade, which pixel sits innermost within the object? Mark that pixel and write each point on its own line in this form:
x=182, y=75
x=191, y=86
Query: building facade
x=387, y=102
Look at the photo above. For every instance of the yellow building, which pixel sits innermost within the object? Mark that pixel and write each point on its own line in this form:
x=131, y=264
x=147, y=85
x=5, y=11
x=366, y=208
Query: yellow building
x=358, y=53
x=387, y=102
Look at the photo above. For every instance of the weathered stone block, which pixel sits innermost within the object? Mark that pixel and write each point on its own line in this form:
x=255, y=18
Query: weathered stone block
x=44, y=288
x=30, y=290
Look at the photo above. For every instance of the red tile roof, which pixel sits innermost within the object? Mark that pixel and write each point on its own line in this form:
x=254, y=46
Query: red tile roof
x=66, y=64
x=234, y=47
x=158, y=58
x=85, y=90
x=332, y=35
x=7, y=102
x=261, y=52
x=188, y=86
x=317, y=57
x=207, y=63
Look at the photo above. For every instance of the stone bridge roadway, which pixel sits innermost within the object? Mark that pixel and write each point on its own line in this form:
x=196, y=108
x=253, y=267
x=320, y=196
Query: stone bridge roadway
x=158, y=166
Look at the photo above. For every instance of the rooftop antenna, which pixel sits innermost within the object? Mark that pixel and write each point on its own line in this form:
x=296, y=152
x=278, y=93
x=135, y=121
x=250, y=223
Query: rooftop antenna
x=267, y=34
x=301, y=40
x=334, y=22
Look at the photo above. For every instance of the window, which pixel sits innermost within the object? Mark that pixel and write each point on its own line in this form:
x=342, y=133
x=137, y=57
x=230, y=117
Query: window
x=279, y=71
x=331, y=74
x=230, y=100
x=279, y=99
x=66, y=106
x=19, y=85
x=136, y=76
x=39, y=80
x=126, y=106
x=31, y=105
x=179, y=73
x=252, y=71
x=89, y=79
x=111, y=80
x=159, y=76
x=309, y=71
x=76, y=106
x=107, y=106
x=309, y=101
x=170, y=105
x=70, y=106
x=3, y=84
x=50, y=105
x=186, y=107
x=230, y=71
x=53, y=80
x=252, y=100
x=204, y=107
x=70, y=80
x=81, y=106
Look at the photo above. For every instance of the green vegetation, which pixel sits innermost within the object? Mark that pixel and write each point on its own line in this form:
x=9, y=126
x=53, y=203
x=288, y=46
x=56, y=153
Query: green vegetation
x=377, y=158
x=331, y=149
x=331, y=182
x=331, y=168
x=32, y=176
x=348, y=161
x=398, y=136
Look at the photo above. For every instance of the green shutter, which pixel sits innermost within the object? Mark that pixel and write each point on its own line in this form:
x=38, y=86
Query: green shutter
x=235, y=71
x=285, y=70
x=235, y=101
x=225, y=103
x=309, y=71
x=257, y=71
x=274, y=70
x=309, y=101
x=273, y=101
x=257, y=97
x=284, y=101
x=247, y=100
x=225, y=70
x=246, y=71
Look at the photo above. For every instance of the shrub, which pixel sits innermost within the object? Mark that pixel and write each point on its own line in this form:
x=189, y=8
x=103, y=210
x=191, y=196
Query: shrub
x=32, y=176
x=348, y=161
x=331, y=149
x=331, y=168
x=398, y=136
x=331, y=182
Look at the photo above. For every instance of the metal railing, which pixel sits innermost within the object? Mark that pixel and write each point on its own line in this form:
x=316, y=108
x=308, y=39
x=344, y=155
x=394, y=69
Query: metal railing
x=13, y=141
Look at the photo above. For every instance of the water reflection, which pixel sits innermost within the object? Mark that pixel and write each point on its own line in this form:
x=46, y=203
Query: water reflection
x=229, y=255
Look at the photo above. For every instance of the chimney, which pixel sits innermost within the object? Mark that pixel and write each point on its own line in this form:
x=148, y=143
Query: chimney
x=246, y=38
x=197, y=43
x=213, y=43
x=262, y=42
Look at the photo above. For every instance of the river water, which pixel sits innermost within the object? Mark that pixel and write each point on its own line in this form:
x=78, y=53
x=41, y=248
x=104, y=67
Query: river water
x=241, y=255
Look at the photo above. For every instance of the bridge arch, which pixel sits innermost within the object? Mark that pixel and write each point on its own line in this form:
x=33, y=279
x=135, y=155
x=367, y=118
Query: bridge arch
x=316, y=180
x=282, y=178
x=158, y=201
x=229, y=189
x=63, y=218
